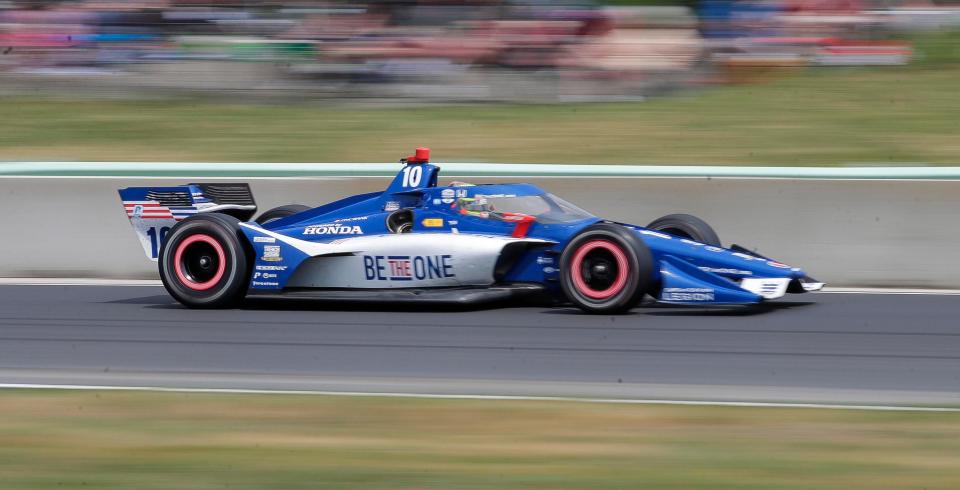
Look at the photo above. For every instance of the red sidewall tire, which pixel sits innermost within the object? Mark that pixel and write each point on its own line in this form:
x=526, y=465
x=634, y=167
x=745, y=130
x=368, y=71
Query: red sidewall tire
x=205, y=261
x=606, y=269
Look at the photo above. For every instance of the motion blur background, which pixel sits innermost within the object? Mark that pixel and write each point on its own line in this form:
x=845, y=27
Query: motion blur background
x=481, y=50
x=798, y=82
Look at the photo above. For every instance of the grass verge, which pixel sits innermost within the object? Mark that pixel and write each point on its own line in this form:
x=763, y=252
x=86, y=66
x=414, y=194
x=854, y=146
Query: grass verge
x=126, y=440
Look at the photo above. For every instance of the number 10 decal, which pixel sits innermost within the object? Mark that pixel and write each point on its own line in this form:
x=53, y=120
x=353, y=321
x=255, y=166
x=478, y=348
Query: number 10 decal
x=412, y=175
x=157, y=236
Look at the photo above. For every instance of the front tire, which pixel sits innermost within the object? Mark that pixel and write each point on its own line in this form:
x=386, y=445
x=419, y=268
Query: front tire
x=686, y=226
x=205, y=261
x=606, y=269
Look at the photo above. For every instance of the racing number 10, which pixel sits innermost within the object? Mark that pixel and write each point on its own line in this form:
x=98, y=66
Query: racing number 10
x=157, y=235
x=412, y=175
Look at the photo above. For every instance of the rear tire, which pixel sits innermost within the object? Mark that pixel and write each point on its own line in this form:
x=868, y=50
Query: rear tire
x=280, y=212
x=205, y=261
x=606, y=269
x=686, y=226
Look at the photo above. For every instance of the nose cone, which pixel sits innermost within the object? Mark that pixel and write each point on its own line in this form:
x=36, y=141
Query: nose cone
x=735, y=262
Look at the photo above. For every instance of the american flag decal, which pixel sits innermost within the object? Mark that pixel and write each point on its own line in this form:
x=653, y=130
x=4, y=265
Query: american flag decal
x=155, y=210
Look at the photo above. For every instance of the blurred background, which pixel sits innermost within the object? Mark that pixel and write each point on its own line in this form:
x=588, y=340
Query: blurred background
x=795, y=82
x=479, y=50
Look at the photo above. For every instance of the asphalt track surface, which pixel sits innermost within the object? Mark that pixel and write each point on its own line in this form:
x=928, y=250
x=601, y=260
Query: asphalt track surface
x=817, y=348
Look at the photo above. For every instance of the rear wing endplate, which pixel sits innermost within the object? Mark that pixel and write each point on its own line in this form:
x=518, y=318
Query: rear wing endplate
x=153, y=211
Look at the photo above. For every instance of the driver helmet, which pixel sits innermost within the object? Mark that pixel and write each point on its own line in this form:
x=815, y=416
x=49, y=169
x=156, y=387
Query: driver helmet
x=476, y=206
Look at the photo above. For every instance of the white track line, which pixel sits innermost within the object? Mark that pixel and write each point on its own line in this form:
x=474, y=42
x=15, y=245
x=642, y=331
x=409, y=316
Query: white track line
x=933, y=292
x=69, y=281
x=626, y=401
x=78, y=281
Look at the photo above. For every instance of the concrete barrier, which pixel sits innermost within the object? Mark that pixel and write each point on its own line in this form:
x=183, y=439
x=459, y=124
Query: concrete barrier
x=847, y=231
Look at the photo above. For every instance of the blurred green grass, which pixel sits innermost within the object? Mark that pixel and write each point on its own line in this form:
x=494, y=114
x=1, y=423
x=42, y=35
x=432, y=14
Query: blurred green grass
x=883, y=115
x=145, y=441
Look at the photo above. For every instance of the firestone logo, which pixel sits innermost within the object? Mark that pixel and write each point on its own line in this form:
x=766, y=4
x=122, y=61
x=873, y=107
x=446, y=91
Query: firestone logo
x=332, y=230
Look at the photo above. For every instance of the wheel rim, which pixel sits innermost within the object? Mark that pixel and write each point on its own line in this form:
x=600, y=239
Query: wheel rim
x=199, y=262
x=599, y=269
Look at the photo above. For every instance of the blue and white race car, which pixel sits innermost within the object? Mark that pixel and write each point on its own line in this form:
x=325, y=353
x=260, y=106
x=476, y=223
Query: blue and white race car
x=418, y=241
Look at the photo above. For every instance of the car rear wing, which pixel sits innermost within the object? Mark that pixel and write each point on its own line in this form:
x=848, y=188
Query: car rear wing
x=152, y=211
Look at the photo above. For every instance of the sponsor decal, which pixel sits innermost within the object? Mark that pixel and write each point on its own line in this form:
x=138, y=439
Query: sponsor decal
x=436, y=201
x=355, y=218
x=271, y=267
x=152, y=209
x=392, y=206
x=332, y=229
x=544, y=260
x=264, y=239
x=271, y=253
x=687, y=294
x=745, y=256
x=726, y=271
x=407, y=267
x=453, y=222
x=432, y=222
x=549, y=270
x=447, y=195
x=777, y=265
x=261, y=283
x=711, y=248
x=691, y=242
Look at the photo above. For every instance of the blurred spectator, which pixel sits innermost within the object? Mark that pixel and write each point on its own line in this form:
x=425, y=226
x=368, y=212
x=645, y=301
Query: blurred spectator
x=431, y=42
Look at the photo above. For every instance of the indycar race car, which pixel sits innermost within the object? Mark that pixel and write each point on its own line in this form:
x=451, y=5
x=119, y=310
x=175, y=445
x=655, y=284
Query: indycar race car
x=460, y=243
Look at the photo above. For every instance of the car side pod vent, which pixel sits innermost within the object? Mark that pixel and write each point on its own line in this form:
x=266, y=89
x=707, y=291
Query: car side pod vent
x=509, y=255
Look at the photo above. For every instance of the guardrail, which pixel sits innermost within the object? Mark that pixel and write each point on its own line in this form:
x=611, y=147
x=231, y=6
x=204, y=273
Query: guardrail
x=848, y=226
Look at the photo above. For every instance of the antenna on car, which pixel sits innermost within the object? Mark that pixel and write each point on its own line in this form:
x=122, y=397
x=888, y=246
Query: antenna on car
x=422, y=155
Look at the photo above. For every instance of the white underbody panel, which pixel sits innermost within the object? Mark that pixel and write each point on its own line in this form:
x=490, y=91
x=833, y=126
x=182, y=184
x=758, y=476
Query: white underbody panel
x=768, y=288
